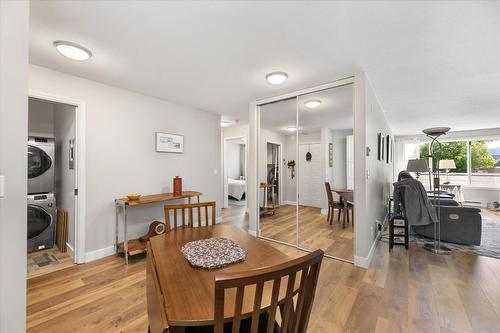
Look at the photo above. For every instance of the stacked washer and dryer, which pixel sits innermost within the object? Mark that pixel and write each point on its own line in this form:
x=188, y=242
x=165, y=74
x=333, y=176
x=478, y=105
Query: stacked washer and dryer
x=42, y=212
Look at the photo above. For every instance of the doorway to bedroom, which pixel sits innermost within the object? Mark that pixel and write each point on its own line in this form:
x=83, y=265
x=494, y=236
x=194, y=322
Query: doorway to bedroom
x=235, y=180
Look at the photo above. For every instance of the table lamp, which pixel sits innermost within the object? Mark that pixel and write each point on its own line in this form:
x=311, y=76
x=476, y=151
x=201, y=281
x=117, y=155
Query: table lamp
x=447, y=165
x=417, y=166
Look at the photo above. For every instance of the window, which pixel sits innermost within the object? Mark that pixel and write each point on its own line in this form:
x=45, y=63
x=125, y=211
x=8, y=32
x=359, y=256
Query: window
x=454, y=150
x=485, y=161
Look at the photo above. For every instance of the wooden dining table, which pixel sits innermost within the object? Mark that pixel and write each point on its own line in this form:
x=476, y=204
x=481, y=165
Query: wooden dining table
x=180, y=295
x=348, y=198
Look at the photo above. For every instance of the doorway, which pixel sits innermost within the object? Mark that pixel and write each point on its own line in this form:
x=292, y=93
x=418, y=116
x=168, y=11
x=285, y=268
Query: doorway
x=54, y=146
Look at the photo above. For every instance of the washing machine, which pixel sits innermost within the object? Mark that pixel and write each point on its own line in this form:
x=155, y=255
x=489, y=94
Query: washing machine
x=42, y=218
x=41, y=165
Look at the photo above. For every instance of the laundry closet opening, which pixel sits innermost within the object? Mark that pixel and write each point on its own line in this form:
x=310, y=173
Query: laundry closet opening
x=51, y=187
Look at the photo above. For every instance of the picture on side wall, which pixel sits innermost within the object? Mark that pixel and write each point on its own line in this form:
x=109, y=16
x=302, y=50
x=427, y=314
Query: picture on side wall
x=169, y=143
x=381, y=146
x=330, y=155
x=389, y=149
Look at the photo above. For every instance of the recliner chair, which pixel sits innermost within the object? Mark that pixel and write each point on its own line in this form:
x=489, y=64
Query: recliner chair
x=460, y=225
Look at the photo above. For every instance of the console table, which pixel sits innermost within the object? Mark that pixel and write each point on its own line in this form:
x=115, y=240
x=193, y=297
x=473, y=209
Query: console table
x=134, y=246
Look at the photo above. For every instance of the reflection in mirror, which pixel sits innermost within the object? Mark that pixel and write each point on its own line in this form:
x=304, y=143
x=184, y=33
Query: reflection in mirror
x=277, y=192
x=325, y=171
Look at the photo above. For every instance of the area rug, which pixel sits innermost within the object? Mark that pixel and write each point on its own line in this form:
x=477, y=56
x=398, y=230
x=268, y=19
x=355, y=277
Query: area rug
x=42, y=260
x=490, y=241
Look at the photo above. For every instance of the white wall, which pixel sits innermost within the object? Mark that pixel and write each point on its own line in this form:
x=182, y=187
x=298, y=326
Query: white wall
x=14, y=41
x=233, y=160
x=40, y=118
x=64, y=130
x=372, y=178
x=121, y=157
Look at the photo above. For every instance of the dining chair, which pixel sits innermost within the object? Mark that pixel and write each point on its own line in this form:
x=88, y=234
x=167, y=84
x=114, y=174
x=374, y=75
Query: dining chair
x=295, y=303
x=187, y=221
x=332, y=204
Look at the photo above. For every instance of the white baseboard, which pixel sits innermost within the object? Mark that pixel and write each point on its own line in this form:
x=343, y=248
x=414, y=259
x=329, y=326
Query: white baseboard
x=218, y=219
x=101, y=253
x=366, y=261
x=253, y=233
x=288, y=202
x=324, y=211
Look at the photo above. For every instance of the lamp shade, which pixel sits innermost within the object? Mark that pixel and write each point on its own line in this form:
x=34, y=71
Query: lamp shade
x=417, y=166
x=447, y=164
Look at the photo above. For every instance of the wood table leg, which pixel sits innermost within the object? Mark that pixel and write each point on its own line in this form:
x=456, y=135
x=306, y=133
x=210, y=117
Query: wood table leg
x=345, y=213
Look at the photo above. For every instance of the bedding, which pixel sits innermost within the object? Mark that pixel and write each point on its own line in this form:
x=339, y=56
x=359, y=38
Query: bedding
x=236, y=188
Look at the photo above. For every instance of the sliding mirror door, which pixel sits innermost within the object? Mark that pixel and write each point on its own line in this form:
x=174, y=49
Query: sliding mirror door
x=276, y=189
x=325, y=170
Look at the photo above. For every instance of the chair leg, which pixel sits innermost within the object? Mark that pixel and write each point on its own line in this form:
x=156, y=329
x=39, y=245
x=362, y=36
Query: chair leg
x=347, y=212
x=328, y=215
x=338, y=217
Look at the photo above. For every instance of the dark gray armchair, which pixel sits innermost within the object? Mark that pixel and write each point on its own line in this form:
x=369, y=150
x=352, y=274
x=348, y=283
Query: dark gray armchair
x=460, y=225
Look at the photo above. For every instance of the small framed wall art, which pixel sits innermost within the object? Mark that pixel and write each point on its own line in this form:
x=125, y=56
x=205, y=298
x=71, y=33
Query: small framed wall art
x=389, y=152
x=169, y=143
x=330, y=155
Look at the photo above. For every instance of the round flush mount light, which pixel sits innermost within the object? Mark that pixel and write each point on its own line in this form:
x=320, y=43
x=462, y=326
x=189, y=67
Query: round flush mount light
x=312, y=104
x=72, y=50
x=224, y=123
x=276, y=78
x=291, y=129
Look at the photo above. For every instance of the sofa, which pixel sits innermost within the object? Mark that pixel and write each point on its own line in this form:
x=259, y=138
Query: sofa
x=460, y=225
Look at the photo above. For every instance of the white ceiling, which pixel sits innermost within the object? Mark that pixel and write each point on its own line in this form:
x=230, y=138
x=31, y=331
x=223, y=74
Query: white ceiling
x=431, y=63
x=335, y=112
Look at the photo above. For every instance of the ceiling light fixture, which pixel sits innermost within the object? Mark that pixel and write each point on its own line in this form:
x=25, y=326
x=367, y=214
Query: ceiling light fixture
x=276, y=78
x=312, y=104
x=72, y=50
x=224, y=123
x=291, y=129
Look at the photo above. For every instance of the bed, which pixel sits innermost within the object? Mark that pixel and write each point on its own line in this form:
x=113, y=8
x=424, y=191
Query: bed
x=236, y=188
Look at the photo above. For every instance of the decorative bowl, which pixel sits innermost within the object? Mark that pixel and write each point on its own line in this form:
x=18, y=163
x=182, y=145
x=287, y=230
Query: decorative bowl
x=133, y=196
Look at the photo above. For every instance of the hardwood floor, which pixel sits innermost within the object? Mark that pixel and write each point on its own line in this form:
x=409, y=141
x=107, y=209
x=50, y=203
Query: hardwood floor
x=403, y=291
x=314, y=231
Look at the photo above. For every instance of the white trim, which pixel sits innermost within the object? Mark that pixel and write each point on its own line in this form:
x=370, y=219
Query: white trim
x=329, y=85
x=224, y=167
x=218, y=219
x=366, y=261
x=280, y=168
x=289, y=202
x=101, y=253
x=80, y=180
x=253, y=233
x=324, y=211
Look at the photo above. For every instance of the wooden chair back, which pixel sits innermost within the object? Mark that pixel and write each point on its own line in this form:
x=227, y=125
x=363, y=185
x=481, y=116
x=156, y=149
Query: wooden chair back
x=187, y=216
x=294, y=315
x=329, y=194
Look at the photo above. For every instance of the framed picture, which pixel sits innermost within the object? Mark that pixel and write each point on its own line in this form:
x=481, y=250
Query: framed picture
x=330, y=155
x=381, y=146
x=389, y=149
x=169, y=143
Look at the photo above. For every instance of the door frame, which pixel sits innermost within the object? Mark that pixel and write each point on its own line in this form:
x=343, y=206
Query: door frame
x=253, y=174
x=79, y=254
x=225, y=199
x=280, y=194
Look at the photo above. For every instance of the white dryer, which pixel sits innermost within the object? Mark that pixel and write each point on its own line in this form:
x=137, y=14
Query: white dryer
x=40, y=165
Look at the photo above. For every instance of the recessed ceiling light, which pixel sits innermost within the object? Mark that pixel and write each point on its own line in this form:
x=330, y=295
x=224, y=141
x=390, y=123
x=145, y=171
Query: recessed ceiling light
x=276, y=77
x=72, y=50
x=291, y=129
x=224, y=123
x=312, y=104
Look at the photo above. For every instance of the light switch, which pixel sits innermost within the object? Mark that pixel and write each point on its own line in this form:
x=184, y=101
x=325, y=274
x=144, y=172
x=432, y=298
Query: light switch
x=2, y=186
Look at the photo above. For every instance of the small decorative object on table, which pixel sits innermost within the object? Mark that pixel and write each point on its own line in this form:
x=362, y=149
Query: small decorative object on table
x=133, y=196
x=213, y=253
x=177, y=186
x=155, y=228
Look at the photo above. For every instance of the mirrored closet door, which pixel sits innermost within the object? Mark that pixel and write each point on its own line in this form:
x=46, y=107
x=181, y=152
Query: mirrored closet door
x=306, y=169
x=325, y=120
x=276, y=188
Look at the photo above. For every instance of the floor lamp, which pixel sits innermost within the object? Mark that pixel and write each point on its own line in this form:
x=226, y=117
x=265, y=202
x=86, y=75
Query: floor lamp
x=434, y=133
